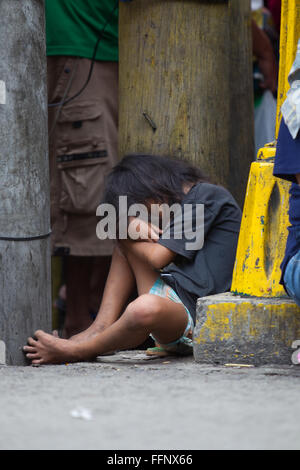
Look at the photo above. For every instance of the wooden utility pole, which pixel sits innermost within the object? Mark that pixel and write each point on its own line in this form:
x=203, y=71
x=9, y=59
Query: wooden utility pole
x=186, y=84
x=25, y=285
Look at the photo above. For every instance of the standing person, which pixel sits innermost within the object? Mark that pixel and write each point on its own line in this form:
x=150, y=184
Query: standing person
x=274, y=6
x=265, y=74
x=287, y=167
x=169, y=268
x=82, y=50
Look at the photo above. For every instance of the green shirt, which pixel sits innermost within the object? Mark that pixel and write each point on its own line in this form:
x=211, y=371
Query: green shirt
x=73, y=27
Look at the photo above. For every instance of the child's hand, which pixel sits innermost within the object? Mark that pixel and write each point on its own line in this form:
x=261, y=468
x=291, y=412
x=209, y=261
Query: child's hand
x=140, y=230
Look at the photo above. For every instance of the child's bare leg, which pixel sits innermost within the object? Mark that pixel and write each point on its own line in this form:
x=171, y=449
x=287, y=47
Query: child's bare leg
x=164, y=329
x=144, y=274
x=119, y=285
x=148, y=313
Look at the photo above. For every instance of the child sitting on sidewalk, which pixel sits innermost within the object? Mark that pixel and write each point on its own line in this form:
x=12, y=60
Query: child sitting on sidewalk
x=169, y=270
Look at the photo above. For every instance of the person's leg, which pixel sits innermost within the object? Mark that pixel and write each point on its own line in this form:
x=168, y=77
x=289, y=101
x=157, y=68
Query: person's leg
x=145, y=277
x=292, y=286
x=292, y=278
x=78, y=271
x=119, y=286
x=147, y=314
x=100, y=270
x=90, y=289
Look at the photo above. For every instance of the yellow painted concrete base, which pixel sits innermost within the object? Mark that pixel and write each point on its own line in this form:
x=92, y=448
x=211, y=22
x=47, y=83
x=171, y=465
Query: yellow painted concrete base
x=254, y=330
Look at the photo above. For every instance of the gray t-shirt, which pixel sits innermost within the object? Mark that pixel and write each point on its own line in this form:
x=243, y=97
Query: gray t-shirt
x=207, y=270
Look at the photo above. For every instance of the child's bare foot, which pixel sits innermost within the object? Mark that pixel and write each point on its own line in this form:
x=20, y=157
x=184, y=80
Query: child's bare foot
x=87, y=334
x=48, y=349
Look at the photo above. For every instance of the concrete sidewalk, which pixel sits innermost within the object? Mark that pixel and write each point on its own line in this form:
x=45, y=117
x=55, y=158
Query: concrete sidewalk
x=129, y=402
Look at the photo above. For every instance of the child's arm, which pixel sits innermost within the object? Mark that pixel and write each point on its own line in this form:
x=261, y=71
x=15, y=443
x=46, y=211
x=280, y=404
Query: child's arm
x=139, y=230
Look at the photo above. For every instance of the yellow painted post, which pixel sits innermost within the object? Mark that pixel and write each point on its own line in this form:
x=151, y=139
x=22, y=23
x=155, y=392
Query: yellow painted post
x=256, y=322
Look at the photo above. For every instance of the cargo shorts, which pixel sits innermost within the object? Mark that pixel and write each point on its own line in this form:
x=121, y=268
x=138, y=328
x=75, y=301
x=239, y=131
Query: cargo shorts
x=83, y=149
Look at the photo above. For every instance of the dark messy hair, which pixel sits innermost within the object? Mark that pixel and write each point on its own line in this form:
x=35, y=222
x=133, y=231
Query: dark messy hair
x=143, y=178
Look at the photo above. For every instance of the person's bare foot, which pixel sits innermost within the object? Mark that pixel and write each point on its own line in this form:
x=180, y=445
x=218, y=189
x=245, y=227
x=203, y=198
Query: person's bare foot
x=87, y=334
x=79, y=337
x=48, y=349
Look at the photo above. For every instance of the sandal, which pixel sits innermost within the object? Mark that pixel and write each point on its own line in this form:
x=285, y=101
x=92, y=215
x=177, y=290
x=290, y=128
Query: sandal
x=157, y=351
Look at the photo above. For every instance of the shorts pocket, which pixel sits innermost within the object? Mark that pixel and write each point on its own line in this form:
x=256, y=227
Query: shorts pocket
x=82, y=158
x=80, y=128
x=82, y=182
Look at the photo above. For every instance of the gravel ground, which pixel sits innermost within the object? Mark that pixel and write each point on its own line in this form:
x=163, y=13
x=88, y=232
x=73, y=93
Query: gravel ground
x=128, y=402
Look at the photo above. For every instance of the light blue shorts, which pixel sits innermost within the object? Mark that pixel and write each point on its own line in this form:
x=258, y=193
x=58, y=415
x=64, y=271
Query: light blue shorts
x=184, y=344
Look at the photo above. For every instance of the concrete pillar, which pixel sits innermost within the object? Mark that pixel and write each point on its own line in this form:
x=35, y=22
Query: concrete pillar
x=25, y=287
x=186, y=84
